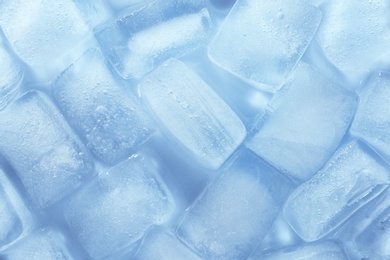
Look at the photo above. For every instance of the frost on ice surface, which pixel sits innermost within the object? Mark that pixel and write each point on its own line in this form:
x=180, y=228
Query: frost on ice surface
x=101, y=108
x=15, y=219
x=144, y=39
x=372, y=119
x=351, y=178
x=262, y=41
x=192, y=113
x=162, y=245
x=117, y=208
x=48, y=158
x=303, y=124
x=42, y=31
x=235, y=211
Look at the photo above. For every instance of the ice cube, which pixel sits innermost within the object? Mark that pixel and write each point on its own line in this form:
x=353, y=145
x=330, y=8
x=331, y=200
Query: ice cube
x=162, y=245
x=116, y=209
x=327, y=250
x=262, y=41
x=44, y=244
x=101, y=108
x=10, y=74
x=38, y=143
x=303, y=124
x=372, y=119
x=94, y=12
x=351, y=178
x=354, y=36
x=42, y=31
x=191, y=113
x=15, y=219
x=144, y=39
x=236, y=210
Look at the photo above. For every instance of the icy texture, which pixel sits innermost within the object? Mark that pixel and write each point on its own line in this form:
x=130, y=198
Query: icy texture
x=372, y=119
x=327, y=250
x=15, y=219
x=303, y=124
x=94, y=12
x=36, y=140
x=235, y=211
x=41, y=31
x=120, y=4
x=353, y=35
x=192, y=113
x=144, y=39
x=10, y=74
x=161, y=245
x=42, y=245
x=350, y=179
x=102, y=109
x=116, y=209
x=262, y=41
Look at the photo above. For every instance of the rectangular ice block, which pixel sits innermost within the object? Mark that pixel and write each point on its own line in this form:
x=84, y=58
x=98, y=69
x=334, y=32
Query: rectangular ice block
x=38, y=143
x=116, y=209
x=15, y=218
x=101, y=108
x=162, y=245
x=262, y=41
x=351, y=178
x=372, y=119
x=192, y=114
x=235, y=211
x=143, y=39
x=303, y=124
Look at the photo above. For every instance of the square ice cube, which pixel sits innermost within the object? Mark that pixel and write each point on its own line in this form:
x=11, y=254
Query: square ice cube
x=143, y=39
x=47, y=156
x=101, y=108
x=45, y=244
x=303, y=124
x=15, y=218
x=372, y=119
x=235, y=211
x=351, y=178
x=40, y=32
x=10, y=74
x=192, y=114
x=162, y=245
x=262, y=41
x=116, y=209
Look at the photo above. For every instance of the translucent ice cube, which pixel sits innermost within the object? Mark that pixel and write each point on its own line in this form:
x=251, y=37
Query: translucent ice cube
x=191, y=113
x=262, y=41
x=102, y=109
x=48, y=158
x=303, y=124
x=351, y=178
x=142, y=40
x=115, y=210
x=235, y=211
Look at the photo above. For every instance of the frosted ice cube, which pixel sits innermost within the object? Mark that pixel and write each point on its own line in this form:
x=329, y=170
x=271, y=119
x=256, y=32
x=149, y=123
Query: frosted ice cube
x=235, y=212
x=48, y=158
x=162, y=245
x=94, y=12
x=43, y=245
x=303, y=124
x=352, y=177
x=372, y=119
x=115, y=210
x=144, y=39
x=15, y=219
x=354, y=35
x=262, y=41
x=192, y=113
x=102, y=109
x=41, y=31
x=327, y=250
x=10, y=74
